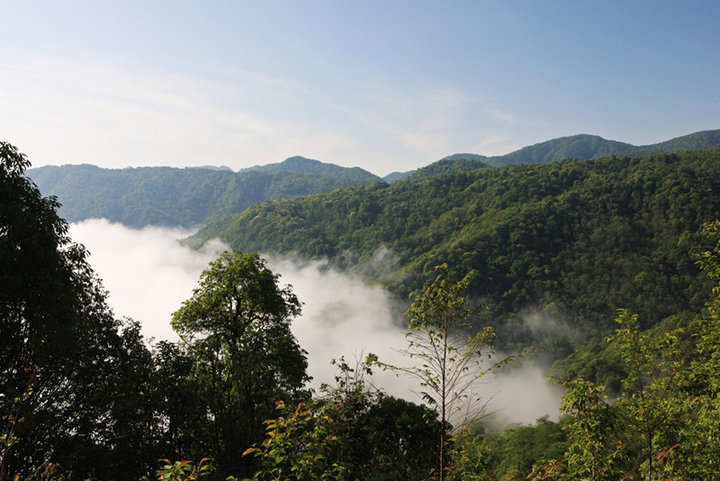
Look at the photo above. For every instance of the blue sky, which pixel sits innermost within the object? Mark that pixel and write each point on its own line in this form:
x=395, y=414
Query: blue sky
x=387, y=86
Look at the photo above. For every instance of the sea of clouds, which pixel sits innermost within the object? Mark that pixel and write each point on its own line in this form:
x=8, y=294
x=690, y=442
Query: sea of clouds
x=149, y=274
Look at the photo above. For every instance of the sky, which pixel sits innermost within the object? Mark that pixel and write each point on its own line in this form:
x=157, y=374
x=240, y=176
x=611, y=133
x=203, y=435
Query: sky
x=386, y=86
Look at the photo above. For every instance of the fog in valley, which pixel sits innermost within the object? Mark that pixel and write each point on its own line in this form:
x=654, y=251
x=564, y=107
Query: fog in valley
x=149, y=274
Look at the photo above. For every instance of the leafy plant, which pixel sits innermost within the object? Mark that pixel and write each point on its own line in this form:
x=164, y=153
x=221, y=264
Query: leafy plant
x=184, y=470
x=236, y=327
x=447, y=361
x=299, y=445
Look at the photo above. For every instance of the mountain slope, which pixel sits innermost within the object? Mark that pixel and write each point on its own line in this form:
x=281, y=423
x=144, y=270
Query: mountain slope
x=397, y=176
x=451, y=164
x=579, y=147
x=189, y=197
x=186, y=197
x=585, y=237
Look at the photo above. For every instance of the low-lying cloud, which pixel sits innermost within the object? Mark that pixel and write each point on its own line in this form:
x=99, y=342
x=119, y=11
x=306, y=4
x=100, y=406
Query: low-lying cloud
x=521, y=393
x=149, y=274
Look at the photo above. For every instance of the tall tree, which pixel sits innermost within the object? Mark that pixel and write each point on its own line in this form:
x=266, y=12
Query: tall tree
x=236, y=326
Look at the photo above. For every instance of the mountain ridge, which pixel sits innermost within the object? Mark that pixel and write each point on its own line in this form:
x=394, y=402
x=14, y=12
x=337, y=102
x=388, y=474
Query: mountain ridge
x=192, y=196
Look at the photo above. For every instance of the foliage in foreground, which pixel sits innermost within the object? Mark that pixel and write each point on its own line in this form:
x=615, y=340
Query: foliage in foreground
x=298, y=446
x=350, y=432
x=72, y=375
x=236, y=327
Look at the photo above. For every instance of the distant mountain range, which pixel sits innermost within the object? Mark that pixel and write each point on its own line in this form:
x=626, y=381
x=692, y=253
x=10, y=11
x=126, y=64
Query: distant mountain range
x=185, y=197
x=578, y=147
x=193, y=196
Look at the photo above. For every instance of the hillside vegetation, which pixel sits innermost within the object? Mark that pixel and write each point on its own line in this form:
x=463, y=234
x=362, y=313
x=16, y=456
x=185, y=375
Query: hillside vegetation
x=190, y=197
x=581, y=239
x=585, y=147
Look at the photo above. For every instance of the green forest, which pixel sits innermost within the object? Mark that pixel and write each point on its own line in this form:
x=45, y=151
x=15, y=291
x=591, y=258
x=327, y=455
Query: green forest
x=625, y=249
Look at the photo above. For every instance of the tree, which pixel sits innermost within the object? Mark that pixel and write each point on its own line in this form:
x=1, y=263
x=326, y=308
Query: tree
x=179, y=404
x=448, y=361
x=236, y=327
x=62, y=353
x=381, y=436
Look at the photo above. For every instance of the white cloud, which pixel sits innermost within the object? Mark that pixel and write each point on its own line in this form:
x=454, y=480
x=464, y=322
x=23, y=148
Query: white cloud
x=521, y=394
x=59, y=111
x=495, y=145
x=501, y=115
x=342, y=316
x=149, y=275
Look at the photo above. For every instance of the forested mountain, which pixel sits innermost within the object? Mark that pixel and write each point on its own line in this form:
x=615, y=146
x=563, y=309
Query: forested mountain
x=187, y=197
x=451, y=164
x=580, y=238
x=705, y=140
x=584, y=147
x=395, y=176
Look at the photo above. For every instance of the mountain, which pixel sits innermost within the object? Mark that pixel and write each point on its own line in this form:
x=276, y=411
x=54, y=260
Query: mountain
x=705, y=140
x=190, y=197
x=213, y=167
x=186, y=197
x=581, y=238
x=580, y=147
x=300, y=164
x=585, y=147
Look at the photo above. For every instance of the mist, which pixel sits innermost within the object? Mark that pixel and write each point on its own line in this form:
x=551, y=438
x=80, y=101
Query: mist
x=149, y=274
